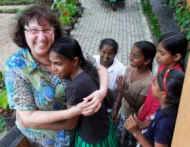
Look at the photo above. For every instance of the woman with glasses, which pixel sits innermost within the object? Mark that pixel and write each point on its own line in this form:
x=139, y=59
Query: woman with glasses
x=33, y=91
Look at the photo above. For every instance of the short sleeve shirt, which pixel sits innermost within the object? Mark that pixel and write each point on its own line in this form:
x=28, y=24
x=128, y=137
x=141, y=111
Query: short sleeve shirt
x=115, y=70
x=91, y=128
x=30, y=87
x=134, y=91
x=162, y=127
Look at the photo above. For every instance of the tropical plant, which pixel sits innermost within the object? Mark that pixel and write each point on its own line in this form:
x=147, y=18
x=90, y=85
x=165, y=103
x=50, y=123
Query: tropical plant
x=66, y=10
x=182, y=15
x=15, y=2
x=152, y=19
x=3, y=94
x=183, y=19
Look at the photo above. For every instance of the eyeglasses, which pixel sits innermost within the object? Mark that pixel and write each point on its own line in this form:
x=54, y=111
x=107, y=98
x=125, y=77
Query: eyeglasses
x=34, y=31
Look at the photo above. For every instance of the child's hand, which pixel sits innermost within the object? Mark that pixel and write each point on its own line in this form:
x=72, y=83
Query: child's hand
x=93, y=103
x=131, y=124
x=79, y=107
x=120, y=83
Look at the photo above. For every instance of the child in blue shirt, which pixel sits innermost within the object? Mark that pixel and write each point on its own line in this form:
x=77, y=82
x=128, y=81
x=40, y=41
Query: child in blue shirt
x=167, y=88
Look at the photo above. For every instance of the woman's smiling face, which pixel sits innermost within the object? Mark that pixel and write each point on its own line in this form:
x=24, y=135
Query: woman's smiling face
x=39, y=37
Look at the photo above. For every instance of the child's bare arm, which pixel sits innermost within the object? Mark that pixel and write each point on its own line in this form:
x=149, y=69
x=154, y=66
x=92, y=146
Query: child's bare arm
x=117, y=103
x=116, y=106
x=132, y=126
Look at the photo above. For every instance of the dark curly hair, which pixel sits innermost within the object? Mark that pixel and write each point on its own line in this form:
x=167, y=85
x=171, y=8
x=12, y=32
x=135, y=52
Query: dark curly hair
x=39, y=13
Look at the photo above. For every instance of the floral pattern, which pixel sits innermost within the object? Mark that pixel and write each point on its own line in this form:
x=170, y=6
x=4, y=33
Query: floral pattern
x=30, y=87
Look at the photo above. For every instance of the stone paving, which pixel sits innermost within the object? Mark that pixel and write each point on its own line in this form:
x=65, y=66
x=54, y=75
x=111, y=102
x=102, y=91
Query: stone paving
x=7, y=47
x=126, y=25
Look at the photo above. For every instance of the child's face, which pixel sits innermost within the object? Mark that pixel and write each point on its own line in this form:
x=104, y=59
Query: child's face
x=107, y=55
x=60, y=65
x=163, y=56
x=136, y=58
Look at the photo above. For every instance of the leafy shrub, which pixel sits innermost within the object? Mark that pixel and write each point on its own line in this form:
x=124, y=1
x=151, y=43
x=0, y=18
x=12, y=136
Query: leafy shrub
x=66, y=10
x=3, y=94
x=3, y=99
x=182, y=15
x=152, y=19
x=14, y=10
x=15, y=2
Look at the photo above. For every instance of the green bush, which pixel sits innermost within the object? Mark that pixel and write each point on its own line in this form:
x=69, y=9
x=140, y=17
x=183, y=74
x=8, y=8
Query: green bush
x=15, y=2
x=182, y=15
x=152, y=19
x=3, y=99
x=66, y=11
x=14, y=10
x=3, y=94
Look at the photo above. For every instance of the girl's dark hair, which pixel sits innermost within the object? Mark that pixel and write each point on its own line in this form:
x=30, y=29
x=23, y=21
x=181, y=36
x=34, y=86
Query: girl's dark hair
x=111, y=42
x=173, y=85
x=148, y=50
x=70, y=48
x=39, y=13
x=175, y=43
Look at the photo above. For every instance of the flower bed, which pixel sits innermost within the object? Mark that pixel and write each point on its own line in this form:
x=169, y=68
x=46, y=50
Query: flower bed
x=68, y=12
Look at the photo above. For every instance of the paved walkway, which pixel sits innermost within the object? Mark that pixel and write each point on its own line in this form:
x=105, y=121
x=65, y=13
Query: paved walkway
x=98, y=21
x=124, y=25
x=7, y=21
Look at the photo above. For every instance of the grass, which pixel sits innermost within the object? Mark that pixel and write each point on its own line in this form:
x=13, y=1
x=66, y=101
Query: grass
x=152, y=19
x=13, y=10
x=15, y=2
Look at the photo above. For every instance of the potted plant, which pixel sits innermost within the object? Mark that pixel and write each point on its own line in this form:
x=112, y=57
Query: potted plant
x=68, y=13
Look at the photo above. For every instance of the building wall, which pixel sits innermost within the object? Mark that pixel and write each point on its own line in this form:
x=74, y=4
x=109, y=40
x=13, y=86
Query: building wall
x=181, y=136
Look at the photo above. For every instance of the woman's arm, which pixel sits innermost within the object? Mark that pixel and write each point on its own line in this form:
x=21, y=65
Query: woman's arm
x=103, y=75
x=95, y=99
x=39, y=119
x=65, y=124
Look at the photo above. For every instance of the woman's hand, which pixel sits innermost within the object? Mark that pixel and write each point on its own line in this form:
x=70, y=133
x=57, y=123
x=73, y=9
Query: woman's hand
x=93, y=102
